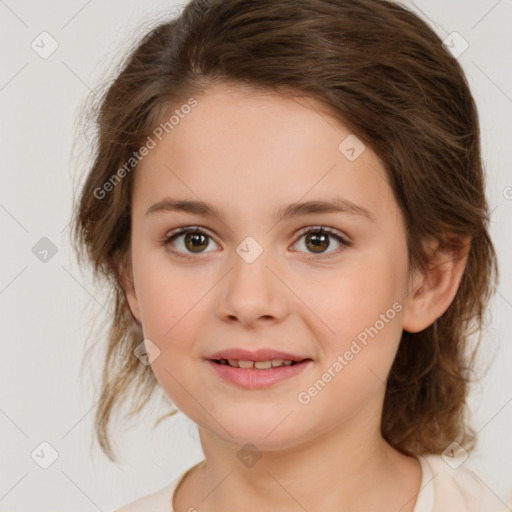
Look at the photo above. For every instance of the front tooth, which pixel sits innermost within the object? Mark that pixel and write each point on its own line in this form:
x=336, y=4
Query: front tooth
x=233, y=362
x=263, y=365
x=245, y=364
x=277, y=362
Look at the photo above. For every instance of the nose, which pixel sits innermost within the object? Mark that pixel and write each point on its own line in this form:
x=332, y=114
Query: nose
x=253, y=292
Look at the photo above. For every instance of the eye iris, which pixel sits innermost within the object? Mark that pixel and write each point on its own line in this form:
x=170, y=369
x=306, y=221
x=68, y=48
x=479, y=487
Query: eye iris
x=317, y=239
x=193, y=237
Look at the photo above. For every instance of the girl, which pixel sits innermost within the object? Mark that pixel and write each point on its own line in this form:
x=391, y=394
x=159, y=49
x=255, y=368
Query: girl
x=287, y=198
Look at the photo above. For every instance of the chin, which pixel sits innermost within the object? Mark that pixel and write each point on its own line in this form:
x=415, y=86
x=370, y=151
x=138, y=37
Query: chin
x=264, y=434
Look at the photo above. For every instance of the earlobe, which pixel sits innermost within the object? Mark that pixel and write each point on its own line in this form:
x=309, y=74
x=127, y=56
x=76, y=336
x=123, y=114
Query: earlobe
x=433, y=291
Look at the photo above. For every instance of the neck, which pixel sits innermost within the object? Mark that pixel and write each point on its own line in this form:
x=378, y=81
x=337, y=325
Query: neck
x=338, y=470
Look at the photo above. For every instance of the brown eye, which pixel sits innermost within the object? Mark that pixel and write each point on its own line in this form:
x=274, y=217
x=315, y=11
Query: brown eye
x=318, y=240
x=185, y=242
x=195, y=242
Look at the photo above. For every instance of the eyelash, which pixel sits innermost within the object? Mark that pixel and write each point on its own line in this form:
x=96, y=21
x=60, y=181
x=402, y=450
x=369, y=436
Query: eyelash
x=197, y=230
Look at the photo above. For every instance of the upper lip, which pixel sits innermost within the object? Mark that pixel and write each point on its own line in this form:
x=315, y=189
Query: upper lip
x=261, y=354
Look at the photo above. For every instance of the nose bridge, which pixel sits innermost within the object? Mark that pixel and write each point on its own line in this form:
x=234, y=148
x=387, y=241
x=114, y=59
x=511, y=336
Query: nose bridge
x=251, y=289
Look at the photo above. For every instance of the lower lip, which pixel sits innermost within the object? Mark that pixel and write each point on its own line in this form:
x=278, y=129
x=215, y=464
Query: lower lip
x=252, y=378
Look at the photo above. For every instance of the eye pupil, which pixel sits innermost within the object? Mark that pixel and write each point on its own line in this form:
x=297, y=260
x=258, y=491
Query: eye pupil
x=193, y=237
x=318, y=241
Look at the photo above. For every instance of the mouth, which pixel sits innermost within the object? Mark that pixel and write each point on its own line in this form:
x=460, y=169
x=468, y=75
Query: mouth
x=259, y=365
x=254, y=375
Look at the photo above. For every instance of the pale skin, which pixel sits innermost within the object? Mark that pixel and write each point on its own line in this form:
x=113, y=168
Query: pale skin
x=249, y=154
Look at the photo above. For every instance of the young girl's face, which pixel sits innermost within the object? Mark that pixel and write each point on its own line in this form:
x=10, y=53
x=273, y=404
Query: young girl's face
x=256, y=280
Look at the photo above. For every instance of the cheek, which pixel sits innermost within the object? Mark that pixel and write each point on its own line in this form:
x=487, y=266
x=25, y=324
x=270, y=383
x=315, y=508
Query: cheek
x=167, y=292
x=357, y=358
x=171, y=299
x=355, y=297
x=360, y=318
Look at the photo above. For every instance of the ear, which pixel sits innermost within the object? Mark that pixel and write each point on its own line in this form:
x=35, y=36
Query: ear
x=128, y=285
x=432, y=292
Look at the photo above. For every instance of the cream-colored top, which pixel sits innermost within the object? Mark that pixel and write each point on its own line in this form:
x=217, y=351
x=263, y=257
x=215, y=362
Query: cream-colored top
x=442, y=489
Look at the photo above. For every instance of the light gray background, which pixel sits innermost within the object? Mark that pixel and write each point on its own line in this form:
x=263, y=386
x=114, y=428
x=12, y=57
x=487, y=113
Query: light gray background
x=46, y=307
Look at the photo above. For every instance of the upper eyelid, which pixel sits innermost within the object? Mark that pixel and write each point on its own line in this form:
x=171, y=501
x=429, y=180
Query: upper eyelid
x=183, y=230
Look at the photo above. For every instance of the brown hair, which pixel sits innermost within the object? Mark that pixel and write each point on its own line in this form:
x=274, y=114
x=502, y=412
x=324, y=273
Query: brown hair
x=384, y=73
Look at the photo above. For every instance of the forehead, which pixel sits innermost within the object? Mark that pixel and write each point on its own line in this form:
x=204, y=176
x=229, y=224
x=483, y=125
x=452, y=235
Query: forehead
x=261, y=150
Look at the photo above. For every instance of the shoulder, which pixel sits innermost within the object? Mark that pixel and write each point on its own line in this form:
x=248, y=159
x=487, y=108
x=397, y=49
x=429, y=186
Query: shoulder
x=158, y=501
x=455, y=485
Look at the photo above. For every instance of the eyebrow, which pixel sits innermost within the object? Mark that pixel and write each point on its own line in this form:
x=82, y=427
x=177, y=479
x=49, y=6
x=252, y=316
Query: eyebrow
x=335, y=205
